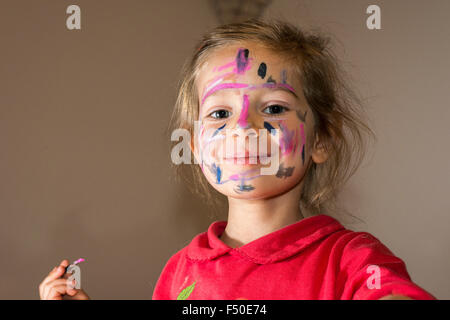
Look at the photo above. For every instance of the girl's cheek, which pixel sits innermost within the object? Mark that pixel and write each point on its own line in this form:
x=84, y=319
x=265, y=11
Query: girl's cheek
x=292, y=142
x=289, y=138
x=210, y=141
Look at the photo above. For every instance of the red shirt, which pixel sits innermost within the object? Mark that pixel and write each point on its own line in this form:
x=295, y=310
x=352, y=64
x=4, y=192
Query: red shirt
x=314, y=258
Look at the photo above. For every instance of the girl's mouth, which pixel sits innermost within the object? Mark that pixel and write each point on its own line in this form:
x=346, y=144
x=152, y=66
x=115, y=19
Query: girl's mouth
x=247, y=159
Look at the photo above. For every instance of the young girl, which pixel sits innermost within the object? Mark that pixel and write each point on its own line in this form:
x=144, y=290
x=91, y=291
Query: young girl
x=272, y=82
x=256, y=76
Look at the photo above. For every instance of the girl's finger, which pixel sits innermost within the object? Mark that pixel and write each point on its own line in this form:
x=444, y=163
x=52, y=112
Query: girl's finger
x=56, y=292
x=55, y=283
x=57, y=272
x=51, y=276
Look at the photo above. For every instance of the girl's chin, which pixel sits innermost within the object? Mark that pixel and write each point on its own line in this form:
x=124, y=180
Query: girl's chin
x=256, y=192
x=261, y=187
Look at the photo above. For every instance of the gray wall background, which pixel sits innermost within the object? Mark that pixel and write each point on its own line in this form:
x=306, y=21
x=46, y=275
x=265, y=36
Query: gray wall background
x=84, y=166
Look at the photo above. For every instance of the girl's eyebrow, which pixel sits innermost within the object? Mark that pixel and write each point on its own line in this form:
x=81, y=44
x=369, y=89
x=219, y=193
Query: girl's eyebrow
x=276, y=86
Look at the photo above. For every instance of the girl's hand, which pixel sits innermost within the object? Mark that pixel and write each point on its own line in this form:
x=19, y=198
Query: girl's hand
x=56, y=287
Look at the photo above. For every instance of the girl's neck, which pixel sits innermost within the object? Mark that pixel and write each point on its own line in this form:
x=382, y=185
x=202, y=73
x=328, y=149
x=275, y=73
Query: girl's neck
x=249, y=220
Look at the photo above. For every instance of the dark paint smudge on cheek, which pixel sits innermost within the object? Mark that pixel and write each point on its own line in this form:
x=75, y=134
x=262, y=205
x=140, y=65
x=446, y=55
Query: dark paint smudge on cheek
x=262, y=70
x=303, y=137
x=284, y=172
x=242, y=60
x=303, y=154
x=269, y=127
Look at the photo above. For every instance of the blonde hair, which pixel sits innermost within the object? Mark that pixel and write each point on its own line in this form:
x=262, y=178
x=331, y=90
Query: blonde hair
x=337, y=110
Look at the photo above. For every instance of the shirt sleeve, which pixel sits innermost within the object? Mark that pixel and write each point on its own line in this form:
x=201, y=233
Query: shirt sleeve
x=164, y=284
x=370, y=271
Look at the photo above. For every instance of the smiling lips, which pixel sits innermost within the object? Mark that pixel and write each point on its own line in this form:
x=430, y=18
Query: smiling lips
x=246, y=159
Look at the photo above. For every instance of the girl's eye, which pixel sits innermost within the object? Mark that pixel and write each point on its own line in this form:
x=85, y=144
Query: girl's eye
x=220, y=114
x=275, y=109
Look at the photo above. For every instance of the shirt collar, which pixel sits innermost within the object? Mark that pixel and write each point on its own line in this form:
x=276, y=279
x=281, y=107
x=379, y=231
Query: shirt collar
x=275, y=246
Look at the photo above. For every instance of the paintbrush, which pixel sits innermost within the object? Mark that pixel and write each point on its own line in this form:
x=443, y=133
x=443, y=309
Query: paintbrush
x=73, y=264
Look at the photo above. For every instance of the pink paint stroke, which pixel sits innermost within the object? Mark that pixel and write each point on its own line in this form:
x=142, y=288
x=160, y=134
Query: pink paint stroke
x=79, y=260
x=286, y=139
x=224, y=86
x=244, y=85
x=228, y=65
x=302, y=133
x=242, y=122
x=217, y=79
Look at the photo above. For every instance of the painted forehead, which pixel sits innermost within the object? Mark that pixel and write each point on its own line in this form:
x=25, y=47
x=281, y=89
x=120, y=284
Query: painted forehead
x=233, y=67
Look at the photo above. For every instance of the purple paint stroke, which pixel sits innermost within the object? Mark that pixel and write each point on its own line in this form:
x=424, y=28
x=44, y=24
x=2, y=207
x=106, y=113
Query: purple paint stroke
x=277, y=85
x=243, y=176
x=283, y=76
x=286, y=139
x=242, y=61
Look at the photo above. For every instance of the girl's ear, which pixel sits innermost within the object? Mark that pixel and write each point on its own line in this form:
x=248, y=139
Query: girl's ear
x=192, y=147
x=319, y=152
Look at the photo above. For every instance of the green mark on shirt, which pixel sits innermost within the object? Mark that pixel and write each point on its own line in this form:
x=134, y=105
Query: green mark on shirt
x=184, y=294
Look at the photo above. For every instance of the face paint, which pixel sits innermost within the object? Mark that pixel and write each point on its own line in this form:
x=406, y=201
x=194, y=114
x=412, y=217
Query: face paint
x=224, y=86
x=244, y=188
x=244, y=85
x=262, y=70
x=269, y=127
x=230, y=69
x=242, y=122
x=218, y=130
x=242, y=61
x=205, y=146
x=284, y=172
x=240, y=64
x=215, y=170
x=283, y=76
x=243, y=177
x=287, y=140
x=302, y=134
x=300, y=116
x=226, y=66
x=219, y=174
x=270, y=80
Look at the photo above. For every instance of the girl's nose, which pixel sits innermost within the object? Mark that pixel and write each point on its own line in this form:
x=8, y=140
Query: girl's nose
x=247, y=119
x=243, y=117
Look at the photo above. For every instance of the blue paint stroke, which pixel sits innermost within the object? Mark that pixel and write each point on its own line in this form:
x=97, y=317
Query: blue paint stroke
x=269, y=127
x=218, y=130
x=218, y=172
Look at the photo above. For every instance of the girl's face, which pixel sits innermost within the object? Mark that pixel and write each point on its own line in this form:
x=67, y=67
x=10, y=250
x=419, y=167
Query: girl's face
x=245, y=87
